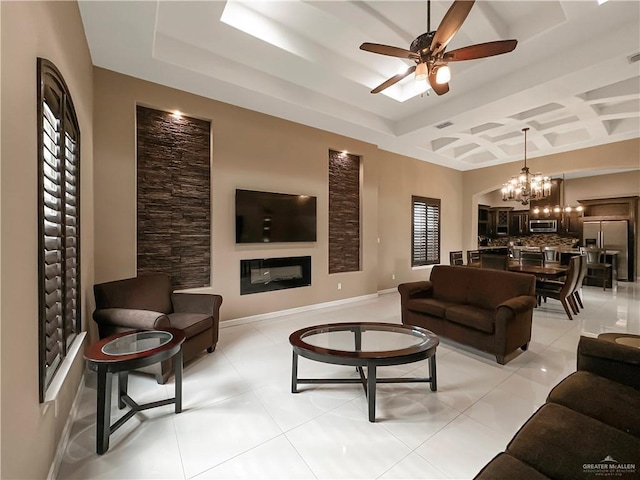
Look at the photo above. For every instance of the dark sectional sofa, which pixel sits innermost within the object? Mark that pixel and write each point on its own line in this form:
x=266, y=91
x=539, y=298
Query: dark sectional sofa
x=490, y=310
x=589, y=426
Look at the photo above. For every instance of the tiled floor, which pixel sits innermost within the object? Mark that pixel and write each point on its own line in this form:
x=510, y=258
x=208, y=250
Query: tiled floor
x=241, y=421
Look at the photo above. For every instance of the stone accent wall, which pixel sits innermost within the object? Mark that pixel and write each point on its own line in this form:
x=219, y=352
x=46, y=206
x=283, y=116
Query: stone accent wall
x=173, y=197
x=344, y=212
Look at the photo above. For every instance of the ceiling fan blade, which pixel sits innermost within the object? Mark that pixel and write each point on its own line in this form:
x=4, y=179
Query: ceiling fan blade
x=439, y=88
x=450, y=24
x=480, y=50
x=394, y=79
x=388, y=50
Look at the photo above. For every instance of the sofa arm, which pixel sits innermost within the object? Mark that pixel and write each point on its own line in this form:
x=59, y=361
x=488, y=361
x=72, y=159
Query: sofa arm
x=608, y=359
x=133, y=319
x=420, y=289
x=519, y=304
x=196, y=303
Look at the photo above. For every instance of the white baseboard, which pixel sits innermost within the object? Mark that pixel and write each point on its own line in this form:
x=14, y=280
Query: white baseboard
x=291, y=311
x=387, y=291
x=66, y=433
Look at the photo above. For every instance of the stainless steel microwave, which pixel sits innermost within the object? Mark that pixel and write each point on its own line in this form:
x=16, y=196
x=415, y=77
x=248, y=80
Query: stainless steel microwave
x=543, y=226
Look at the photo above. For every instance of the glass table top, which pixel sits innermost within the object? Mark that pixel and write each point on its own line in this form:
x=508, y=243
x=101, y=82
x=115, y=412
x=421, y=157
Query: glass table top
x=137, y=342
x=368, y=337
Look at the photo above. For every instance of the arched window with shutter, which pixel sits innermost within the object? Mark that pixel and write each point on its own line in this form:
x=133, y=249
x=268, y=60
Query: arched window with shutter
x=59, y=221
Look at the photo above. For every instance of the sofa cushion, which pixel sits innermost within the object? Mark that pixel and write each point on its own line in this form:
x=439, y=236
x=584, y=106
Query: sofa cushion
x=146, y=292
x=191, y=323
x=490, y=288
x=430, y=306
x=471, y=316
x=601, y=399
x=451, y=283
x=505, y=467
x=559, y=442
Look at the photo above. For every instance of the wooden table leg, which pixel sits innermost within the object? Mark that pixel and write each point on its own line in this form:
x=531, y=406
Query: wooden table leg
x=177, y=360
x=371, y=391
x=123, y=381
x=432, y=373
x=294, y=373
x=103, y=426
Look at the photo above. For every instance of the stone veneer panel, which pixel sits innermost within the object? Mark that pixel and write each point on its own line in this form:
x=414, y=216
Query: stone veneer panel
x=344, y=212
x=174, y=197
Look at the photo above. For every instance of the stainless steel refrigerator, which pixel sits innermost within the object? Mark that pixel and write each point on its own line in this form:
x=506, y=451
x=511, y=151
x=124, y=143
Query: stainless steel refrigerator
x=612, y=235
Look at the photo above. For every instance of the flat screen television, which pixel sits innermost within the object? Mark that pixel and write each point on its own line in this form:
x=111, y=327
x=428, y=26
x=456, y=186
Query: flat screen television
x=266, y=217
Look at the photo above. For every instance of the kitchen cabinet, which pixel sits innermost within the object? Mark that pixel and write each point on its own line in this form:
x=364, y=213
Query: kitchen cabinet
x=519, y=222
x=499, y=219
x=570, y=225
x=483, y=220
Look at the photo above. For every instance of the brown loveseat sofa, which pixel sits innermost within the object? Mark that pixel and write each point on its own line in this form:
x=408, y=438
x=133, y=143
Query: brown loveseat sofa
x=490, y=310
x=148, y=303
x=589, y=426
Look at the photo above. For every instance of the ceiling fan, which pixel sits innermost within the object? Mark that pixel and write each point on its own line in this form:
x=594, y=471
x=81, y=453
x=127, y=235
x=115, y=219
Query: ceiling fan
x=428, y=50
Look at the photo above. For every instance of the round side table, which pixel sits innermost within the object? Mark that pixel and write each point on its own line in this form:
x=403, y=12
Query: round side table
x=121, y=353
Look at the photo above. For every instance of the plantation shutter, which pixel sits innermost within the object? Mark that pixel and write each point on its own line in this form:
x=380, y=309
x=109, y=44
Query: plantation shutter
x=425, y=247
x=52, y=211
x=72, y=273
x=59, y=259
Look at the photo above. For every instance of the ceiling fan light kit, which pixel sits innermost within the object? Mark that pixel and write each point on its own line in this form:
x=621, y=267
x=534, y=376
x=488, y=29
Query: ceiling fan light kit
x=443, y=74
x=421, y=72
x=428, y=50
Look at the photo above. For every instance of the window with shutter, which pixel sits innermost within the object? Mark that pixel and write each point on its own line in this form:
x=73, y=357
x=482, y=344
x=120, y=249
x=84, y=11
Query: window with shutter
x=425, y=231
x=59, y=215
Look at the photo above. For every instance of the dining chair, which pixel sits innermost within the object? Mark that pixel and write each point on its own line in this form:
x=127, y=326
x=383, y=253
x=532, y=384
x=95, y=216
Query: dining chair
x=581, y=276
x=551, y=255
x=473, y=257
x=528, y=257
x=494, y=261
x=455, y=258
x=515, y=253
x=597, y=266
x=562, y=291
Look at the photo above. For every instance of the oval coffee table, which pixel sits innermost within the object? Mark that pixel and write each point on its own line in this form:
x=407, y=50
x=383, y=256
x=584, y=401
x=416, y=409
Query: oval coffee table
x=364, y=344
x=126, y=351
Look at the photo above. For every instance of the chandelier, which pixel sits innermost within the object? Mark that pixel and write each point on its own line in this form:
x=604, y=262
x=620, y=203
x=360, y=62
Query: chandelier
x=526, y=186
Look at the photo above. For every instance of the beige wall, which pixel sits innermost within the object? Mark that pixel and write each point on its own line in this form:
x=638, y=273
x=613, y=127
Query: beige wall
x=30, y=430
x=479, y=182
x=625, y=184
x=400, y=178
x=257, y=151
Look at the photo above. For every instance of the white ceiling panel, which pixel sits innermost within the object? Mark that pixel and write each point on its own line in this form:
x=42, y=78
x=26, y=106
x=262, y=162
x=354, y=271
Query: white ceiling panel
x=569, y=79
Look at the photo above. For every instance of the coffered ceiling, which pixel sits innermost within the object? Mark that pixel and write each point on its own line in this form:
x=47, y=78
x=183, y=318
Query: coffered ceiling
x=571, y=80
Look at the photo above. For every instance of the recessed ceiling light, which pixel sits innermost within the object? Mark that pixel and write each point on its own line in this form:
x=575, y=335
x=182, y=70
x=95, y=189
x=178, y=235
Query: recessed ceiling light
x=600, y=2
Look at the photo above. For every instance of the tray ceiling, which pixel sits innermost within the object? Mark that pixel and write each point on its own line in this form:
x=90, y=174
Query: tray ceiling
x=571, y=79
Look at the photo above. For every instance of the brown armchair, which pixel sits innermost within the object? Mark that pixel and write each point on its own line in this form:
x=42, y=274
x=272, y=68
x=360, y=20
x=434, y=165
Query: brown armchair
x=147, y=303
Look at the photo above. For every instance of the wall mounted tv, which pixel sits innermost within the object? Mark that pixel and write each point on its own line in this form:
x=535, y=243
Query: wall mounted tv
x=266, y=217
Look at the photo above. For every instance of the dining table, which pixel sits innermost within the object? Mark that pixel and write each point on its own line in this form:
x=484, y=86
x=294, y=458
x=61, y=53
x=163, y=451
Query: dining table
x=542, y=272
